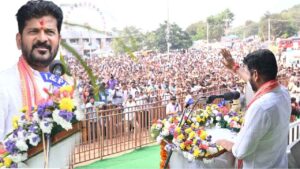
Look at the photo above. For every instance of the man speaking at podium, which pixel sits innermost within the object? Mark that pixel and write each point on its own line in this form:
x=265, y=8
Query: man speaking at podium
x=38, y=37
x=262, y=141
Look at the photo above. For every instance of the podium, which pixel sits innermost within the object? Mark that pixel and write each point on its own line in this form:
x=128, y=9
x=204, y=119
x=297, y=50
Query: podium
x=62, y=144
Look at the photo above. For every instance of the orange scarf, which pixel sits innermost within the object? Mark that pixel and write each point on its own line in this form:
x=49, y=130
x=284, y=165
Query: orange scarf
x=264, y=89
x=27, y=85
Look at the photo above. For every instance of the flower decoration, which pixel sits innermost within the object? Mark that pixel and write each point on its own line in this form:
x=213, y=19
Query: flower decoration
x=58, y=110
x=190, y=137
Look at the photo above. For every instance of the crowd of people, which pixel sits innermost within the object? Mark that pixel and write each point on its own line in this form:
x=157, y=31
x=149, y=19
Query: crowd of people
x=158, y=77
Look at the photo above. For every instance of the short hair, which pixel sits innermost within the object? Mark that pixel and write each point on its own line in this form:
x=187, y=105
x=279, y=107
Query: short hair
x=264, y=61
x=38, y=9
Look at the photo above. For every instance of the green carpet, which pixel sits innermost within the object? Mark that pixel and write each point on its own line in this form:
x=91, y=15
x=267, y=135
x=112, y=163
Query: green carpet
x=143, y=158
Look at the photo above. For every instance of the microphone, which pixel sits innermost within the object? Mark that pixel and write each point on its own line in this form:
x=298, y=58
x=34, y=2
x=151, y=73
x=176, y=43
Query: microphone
x=57, y=68
x=226, y=96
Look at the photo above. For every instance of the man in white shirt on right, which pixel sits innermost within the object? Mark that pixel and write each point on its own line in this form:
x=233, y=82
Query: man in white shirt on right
x=262, y=141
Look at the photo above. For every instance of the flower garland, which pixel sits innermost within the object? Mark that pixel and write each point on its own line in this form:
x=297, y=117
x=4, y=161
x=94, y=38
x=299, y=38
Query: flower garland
x=163, y=155
x=58, y=110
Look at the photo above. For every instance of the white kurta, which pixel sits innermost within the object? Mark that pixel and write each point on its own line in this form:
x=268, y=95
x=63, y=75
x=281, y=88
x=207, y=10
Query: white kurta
x=11, y=97
x=262, y=142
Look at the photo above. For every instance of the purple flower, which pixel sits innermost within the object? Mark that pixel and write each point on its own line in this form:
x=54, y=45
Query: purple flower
x=16, y=132
x=36, y=139
x=198, y=142
x=221, y=104
x=49, y=103
x=33, y=128
x=1, y=160
x=213, y=145
x=42, y=109
x=171, y=130
x=66, y=115
x=14, y=165
x=10, y=146
x=23, y=117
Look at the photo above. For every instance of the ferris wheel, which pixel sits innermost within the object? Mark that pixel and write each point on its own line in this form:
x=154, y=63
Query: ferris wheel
x=85, y=11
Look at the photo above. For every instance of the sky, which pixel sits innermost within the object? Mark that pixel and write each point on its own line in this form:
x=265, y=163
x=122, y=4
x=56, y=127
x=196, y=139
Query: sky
x=144, y=14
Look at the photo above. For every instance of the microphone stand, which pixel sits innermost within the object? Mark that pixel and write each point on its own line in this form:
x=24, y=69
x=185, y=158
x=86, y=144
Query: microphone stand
x=179, y=124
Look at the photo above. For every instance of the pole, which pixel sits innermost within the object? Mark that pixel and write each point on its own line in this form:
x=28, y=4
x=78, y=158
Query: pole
x=168, y=31
x=269, y=30
x=207, y=33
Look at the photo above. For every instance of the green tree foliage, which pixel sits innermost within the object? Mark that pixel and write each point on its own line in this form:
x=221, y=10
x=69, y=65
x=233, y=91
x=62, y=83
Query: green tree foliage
x=219, y=23
x=130, y=39
x=282, y=25
x=178, y=38
x=197, y=30
x=217, y=26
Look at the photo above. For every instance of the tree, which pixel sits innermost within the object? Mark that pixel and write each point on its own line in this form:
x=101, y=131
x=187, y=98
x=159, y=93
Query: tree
x=283, y=24
x=219, y=23
x=250, y=28
x=129, y=39
x=179, y=39
x=197, y=30
x=150, y=40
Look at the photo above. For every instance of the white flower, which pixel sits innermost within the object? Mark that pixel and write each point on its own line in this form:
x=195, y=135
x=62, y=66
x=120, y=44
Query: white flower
x=35, y=117
x=226, y=117
x=34, y=139
x=61, y=121
x=167, y=125
x=190, y=157
x=21, y=145
x=18, y=157
x=194, y=119
x=185, y=154
x=212, y=150
x=79, y=115
x=159, y=139
x=46, y=125
x=215, y=112
x=22, y=121
x=218, y=125
x=218, y=118
x=22, y=135
x=165, y=132
x=159, y=126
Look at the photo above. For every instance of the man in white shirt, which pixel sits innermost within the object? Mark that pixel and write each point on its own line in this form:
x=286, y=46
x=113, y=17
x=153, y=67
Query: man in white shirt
x=262, y=141
x=173, y=108
x=130, y=108
x=39, y=24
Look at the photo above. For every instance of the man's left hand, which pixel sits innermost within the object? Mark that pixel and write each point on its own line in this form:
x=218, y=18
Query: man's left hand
x=225, y=144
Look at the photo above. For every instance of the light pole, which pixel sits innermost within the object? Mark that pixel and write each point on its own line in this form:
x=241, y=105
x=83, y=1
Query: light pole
x=269, y=30
x=207, y=32
x=168, y=31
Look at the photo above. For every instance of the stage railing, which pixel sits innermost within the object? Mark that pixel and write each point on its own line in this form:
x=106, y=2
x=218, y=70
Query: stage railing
x=108, y=132
x=294, y=133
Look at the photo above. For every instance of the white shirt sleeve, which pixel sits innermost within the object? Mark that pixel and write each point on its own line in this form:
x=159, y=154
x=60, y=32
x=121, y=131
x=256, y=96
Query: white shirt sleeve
x=3, y=113
x=257, y=124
